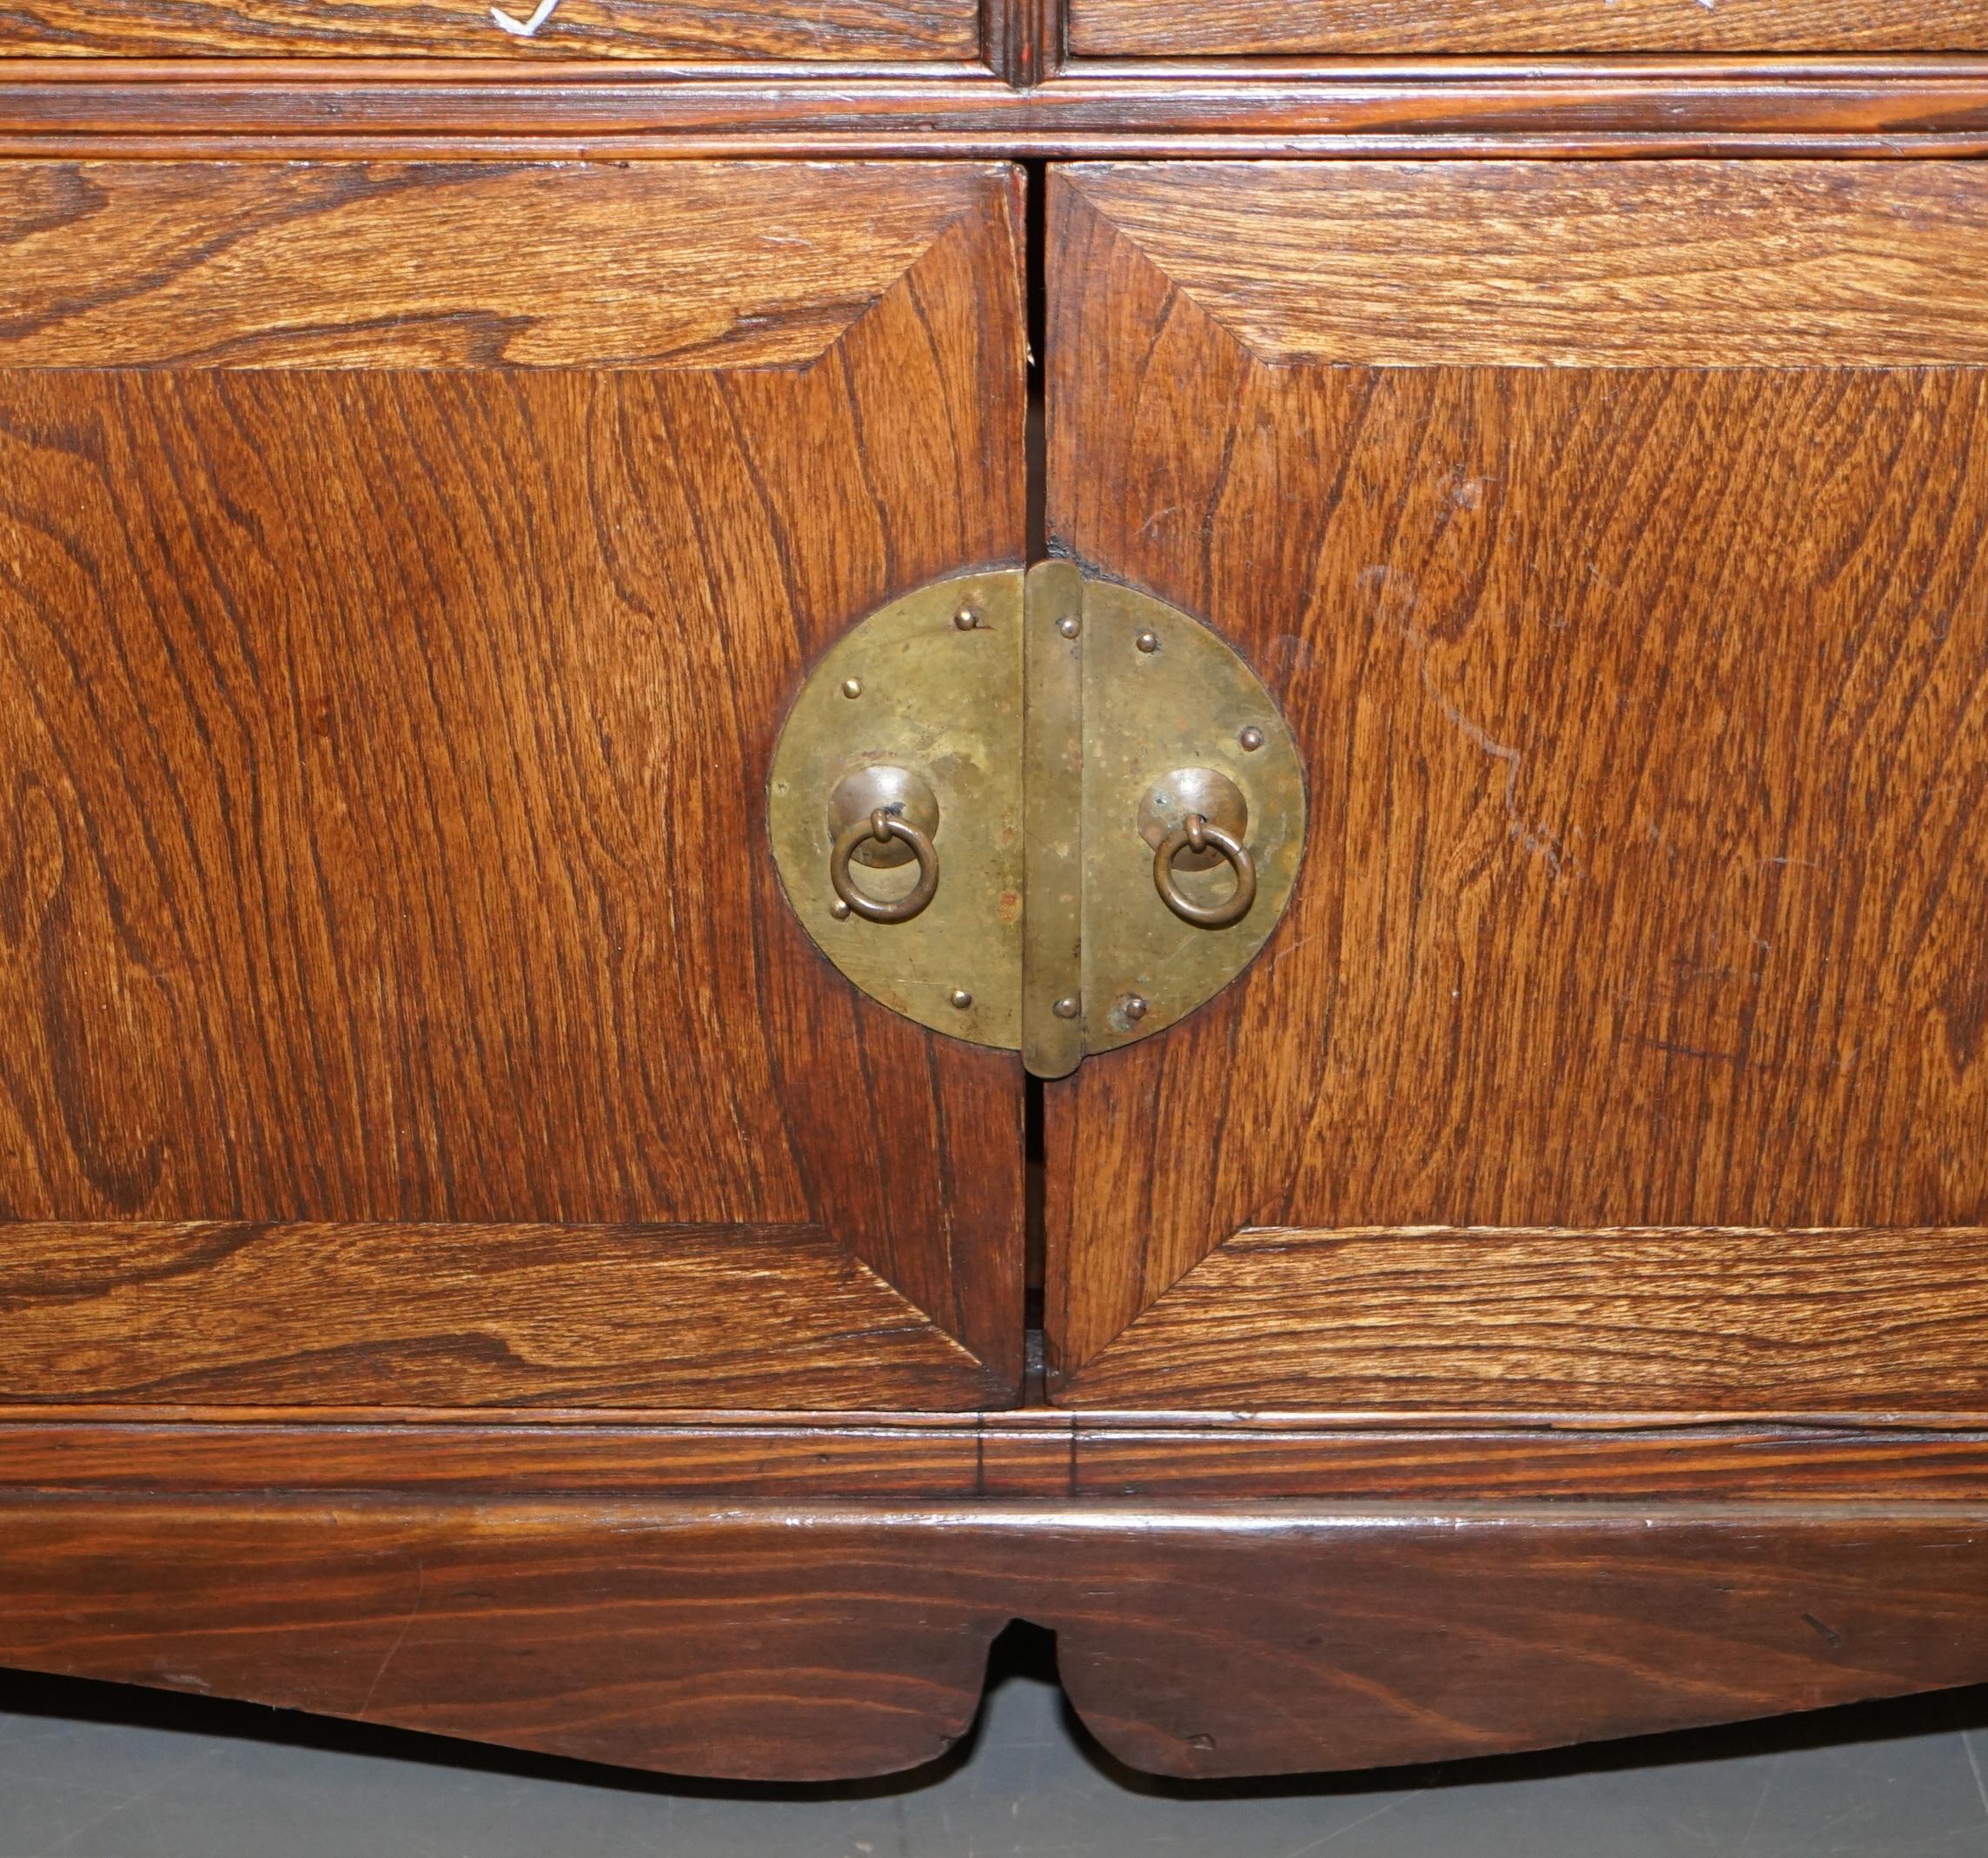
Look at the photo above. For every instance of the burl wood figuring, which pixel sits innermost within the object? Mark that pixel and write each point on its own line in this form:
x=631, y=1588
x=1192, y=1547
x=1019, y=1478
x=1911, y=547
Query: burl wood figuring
x=466, y=1262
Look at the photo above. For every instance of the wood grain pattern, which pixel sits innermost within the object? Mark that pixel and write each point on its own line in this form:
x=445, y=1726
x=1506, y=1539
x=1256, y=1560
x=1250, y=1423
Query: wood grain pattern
x=1282, y=1643
x=200, y=264
x=453, y=1315
x=75, y=108
x=1175, y=1460
x=1682, y=1320
x=1584, y=265
x=791, y=1644
x=665, y=1637
x=1022, y=40
x=1647, y=780
x=1035, y=1454
x=1229, y=28
x=829, y=29
x=381, y=766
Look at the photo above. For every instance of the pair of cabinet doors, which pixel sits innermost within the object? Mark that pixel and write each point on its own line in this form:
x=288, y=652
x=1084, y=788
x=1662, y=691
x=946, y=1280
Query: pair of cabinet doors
x=405, y=571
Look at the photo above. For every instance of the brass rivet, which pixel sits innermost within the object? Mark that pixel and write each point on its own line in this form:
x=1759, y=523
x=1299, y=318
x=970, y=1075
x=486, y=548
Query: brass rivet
x=1148, y=642
x=1069, y=625
x=962, y=998
x=853, y=687
x=967, y=618
x=839, y=910
x=1251, y=740
x=1067, y=1008
x=1134, y=1007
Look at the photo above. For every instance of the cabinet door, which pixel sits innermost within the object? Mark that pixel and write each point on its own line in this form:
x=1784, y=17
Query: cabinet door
x=403, y=573
x=1616, y=539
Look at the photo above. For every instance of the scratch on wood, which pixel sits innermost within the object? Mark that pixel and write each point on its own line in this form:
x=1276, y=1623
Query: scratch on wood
x=394, y=1650
x=1531, y=836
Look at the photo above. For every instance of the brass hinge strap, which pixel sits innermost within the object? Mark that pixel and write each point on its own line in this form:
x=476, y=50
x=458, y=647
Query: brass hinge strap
x=1052, y=811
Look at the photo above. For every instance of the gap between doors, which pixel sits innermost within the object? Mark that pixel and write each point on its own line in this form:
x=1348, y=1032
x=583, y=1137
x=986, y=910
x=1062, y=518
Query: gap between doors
x=1036, y=238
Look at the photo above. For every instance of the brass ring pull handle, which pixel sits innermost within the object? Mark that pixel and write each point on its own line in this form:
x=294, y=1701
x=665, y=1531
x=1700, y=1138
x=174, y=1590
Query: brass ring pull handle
x=1195, y=833
x=883, y=826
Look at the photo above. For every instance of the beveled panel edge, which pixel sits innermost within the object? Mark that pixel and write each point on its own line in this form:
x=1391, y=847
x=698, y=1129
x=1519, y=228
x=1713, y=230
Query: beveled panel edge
x=198, y=262
x=121, y=1314
x=1574, y=264
x=1719, y=1320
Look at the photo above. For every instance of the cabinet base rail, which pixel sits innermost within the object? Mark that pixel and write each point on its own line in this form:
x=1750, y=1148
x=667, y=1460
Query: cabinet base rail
x=782, y=1640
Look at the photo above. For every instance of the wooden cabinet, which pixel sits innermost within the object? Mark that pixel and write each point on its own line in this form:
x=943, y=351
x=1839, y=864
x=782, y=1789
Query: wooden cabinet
x=469, y=1260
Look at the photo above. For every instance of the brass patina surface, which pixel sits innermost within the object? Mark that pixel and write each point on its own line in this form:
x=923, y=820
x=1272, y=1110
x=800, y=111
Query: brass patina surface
x=944, y=701
x=1149, y=711
x=1053, y=729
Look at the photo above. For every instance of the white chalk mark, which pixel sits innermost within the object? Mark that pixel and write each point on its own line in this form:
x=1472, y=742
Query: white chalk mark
x=1392, y=589
x=524, y=29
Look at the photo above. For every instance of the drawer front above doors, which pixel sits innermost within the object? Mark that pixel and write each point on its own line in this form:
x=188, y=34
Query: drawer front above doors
x=835, y=30
x=1228, y=29
x=1616, y=541
x=403, y=574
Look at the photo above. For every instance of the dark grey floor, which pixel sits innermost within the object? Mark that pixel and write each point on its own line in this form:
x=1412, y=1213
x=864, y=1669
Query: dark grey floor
x=87, y=1771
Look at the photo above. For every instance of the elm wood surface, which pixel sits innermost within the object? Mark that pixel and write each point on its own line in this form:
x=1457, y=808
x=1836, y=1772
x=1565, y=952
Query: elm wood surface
x=1032, y=1454
x=1228, y=29
x=1641, y=698
x=381, y=738
x=797, y=1643
x=830, y=30
x=1900, y=108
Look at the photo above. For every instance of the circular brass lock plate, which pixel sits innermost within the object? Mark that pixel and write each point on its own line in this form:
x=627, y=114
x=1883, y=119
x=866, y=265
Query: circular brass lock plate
x=1043, y=812
x=916, y=712
x=1175, y=722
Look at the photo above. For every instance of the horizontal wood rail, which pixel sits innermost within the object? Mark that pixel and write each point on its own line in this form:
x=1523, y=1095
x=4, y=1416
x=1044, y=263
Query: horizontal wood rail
x=286, y=109
x=1032, y=1454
